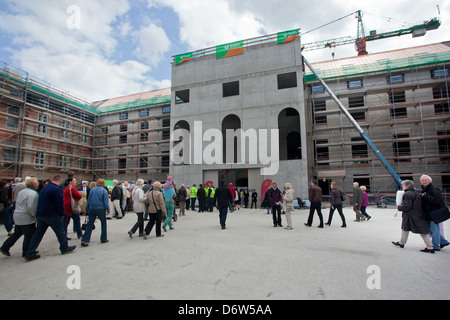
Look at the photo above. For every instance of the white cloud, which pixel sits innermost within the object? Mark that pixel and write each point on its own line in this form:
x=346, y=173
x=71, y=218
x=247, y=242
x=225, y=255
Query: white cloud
x=82, y=60
x=153, y=43
x=205, y=23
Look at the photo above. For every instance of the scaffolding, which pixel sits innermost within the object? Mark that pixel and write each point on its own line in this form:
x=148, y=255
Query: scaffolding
x=402, y=105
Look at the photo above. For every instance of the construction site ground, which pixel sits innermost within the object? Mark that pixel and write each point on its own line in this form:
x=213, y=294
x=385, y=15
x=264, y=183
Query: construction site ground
x=249, y=260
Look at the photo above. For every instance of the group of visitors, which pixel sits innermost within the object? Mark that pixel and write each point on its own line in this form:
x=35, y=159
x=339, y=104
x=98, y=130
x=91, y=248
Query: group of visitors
x=32, y=210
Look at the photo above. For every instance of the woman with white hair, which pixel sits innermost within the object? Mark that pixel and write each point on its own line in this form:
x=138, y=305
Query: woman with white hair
x=139, y=200
x=432, y=200
x=413, y=219
x=288, y=204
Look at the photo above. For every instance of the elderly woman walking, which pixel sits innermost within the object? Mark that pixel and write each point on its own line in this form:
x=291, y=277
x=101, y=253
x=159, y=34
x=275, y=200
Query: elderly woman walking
x=413, y=218
x=288, y=204
x=156, y=210
x=139, y=200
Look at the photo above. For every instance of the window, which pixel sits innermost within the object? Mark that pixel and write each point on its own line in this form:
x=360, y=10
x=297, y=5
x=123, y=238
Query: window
x=166, y=110
x=287, y=80
x=166, y=134
x=65, y=132
x=397, y=113
x=396, y=97
x=122, y=164
x=13, y=122
x=319, y=105
x=442, y=108
x=123, y=128
x=318, y=89
x=9, y=155
x=182, y=96
x=444, y=145
x=166, y=123
x=393, y=79
x=83, y=163
x=357, y=102
x=354, y=84
x=439, y=73
x=63, y=161
x=84, y=138
x=359, y=150
x=143, y=162
x=39, y=160
x=144, y=113
x=321, y=153
x=441, y=93
x=143, y=136
x=123, y=139
x=42, y=128
x=230, y=89
x=401, y=148
x=123, y=116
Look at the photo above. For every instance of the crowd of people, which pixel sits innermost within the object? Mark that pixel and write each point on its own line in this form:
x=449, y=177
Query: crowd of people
x=29, y=209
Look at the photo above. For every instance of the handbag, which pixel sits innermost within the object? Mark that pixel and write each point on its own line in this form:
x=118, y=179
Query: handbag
x=440, y=215
x=84, y=225
x=161, y=216
x=76, y=208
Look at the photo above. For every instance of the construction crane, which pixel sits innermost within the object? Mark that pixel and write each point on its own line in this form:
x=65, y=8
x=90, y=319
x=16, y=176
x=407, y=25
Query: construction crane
x=361, y=39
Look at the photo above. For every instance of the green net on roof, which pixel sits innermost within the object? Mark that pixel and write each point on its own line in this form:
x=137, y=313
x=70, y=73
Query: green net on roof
x=380, y=66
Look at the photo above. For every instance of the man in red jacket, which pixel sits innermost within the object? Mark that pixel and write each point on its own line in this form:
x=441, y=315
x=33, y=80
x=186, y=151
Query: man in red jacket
x=68, y=207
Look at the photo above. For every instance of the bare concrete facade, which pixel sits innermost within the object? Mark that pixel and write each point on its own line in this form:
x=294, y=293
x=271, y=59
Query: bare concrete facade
x=259, y=89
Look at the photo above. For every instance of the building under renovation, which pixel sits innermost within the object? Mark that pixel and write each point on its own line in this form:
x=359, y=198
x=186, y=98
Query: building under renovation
x=400, y=98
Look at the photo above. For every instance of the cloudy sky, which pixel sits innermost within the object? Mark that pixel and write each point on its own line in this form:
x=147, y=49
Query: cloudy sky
x=100, y=49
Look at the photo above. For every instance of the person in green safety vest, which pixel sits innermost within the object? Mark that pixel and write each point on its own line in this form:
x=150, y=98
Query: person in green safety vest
x=193, y=194
x=210, y=192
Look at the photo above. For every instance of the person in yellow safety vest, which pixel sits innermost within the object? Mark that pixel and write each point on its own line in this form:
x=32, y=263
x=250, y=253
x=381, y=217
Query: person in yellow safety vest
x=193, y=194
x=210, y=197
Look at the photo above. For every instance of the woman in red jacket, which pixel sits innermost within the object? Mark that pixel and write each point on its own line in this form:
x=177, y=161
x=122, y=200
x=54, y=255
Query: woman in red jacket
x=68, y=207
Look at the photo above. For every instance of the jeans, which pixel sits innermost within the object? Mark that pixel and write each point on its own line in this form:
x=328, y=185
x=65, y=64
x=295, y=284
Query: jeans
x=315, y=206
x=341, y=214
x=93, y=214
x=223, y=211
x=43, y=223
x=27, y=231
x=436, y=236
x=76, y=223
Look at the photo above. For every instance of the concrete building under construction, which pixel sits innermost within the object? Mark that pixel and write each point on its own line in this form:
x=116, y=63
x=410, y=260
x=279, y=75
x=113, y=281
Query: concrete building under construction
x=400, y=98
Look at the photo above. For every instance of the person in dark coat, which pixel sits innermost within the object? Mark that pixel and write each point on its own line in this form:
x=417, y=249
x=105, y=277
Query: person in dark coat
x=222, y=200
x=315, y=197
x=432, y=200
x=49, y=212
x=201, y=196
x=336, y=203
x=275, y=199
x=413, y=218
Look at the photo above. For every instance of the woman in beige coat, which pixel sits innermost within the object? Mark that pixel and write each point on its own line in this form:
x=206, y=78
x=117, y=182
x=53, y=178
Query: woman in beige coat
x=156, y=203
x=288, y=204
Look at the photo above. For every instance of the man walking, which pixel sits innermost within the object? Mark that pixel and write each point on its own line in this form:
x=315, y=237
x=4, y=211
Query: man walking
x=356, y=202
x=315, y=197
x=275, y=200
x=222, y=200
x=49, y=213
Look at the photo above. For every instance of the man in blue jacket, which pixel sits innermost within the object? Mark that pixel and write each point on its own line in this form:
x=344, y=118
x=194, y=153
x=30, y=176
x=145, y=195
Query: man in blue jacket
x=49, y=212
